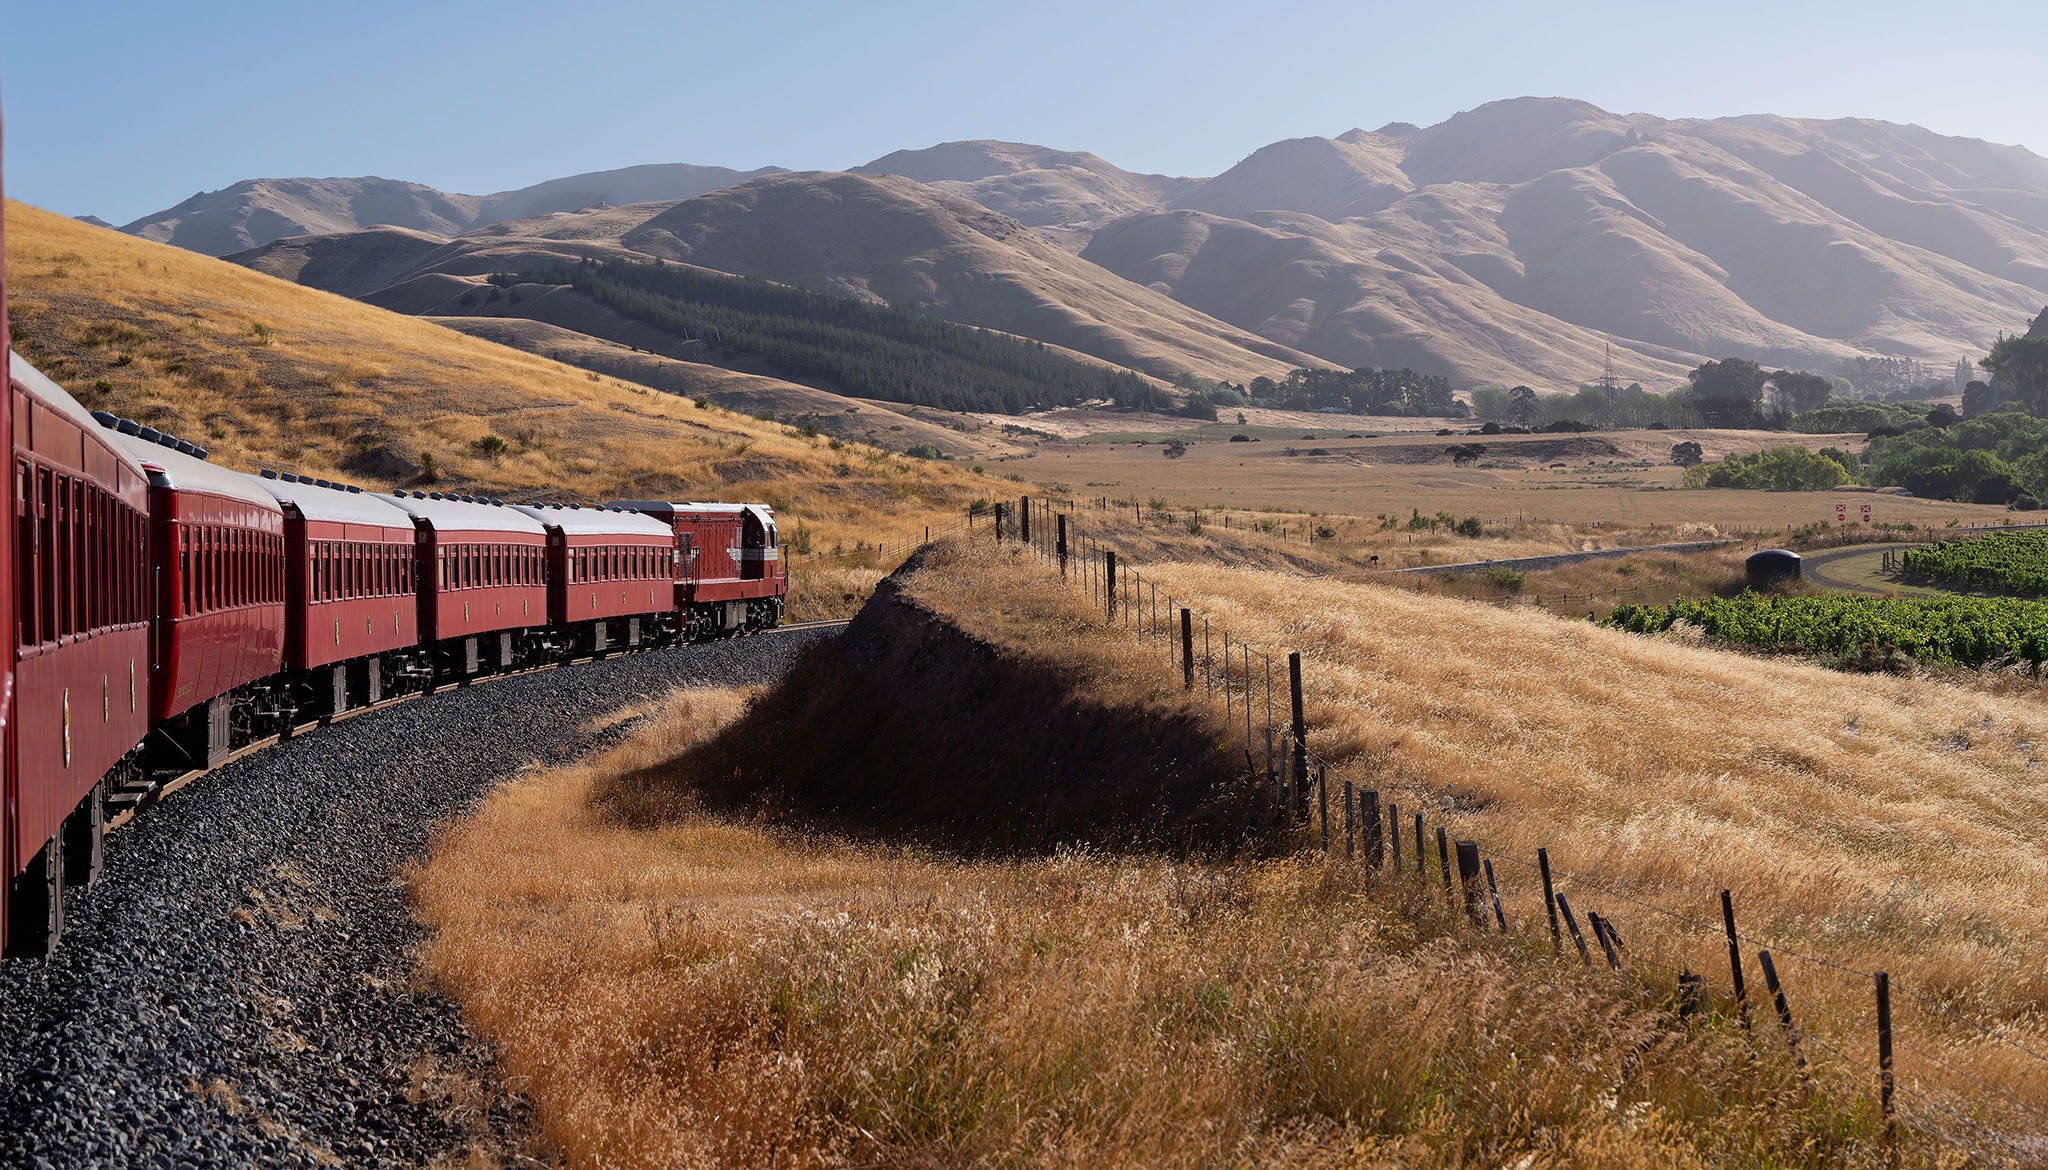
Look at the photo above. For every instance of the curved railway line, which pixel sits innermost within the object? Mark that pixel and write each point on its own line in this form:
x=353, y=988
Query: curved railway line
x=176, y=783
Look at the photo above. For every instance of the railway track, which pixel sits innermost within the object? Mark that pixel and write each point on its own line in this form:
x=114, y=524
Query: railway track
x=157, y=792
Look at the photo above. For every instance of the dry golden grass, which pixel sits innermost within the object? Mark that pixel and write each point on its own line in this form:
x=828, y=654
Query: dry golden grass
x=714, y=994
x=267, y=373
x=1879, y=822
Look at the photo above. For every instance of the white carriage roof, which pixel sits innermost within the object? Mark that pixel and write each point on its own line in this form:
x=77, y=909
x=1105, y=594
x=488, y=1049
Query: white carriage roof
x=336, y=505
x=761, y=512
x=596, y=521
x=185, y=473
x=49, y=391
x=462, y=516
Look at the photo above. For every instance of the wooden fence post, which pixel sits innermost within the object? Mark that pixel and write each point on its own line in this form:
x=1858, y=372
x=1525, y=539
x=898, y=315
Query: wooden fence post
x=1060, y=542
x=1573, y=924
x=1421, y=853
x=1394, y=831
x=1300, y=733
x=1549, y=900
x=1763, y=959
x=1369, y=818
x=1001, y=511
x=1187, y=649
x=1468, y=877
x=1884, y=1061
x=1109, y=579
x=1024, y=519
x=1604, y=931
x=1494, y=891
x=1734, y=956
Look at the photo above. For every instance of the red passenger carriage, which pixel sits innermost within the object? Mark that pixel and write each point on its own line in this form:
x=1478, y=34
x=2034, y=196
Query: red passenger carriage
x=352, y=592
x=217, y=557
x=483, y=601
x=79, y=593
x=611, y=575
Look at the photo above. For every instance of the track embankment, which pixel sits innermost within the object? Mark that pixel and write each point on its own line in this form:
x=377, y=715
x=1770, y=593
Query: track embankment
x=913, y=725
x=240, y=987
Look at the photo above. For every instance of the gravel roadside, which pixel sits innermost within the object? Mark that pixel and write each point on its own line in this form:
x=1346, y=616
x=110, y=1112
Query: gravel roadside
x=239, y=989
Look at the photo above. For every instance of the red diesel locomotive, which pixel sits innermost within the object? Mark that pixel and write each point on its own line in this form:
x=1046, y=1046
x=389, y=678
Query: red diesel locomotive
x=167, y=611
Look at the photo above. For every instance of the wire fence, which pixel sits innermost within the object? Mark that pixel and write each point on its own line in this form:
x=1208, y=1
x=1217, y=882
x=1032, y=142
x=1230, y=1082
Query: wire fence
x=1706, y=961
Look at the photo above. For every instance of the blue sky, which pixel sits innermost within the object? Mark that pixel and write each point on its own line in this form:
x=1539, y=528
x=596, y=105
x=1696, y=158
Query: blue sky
x=121, y=108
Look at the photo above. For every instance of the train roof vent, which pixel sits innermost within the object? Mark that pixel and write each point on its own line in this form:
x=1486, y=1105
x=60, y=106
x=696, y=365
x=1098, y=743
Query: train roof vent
x=128, y=426
x=354, y=490
x=199, y=452
x=269, y=474
x=185, y=447
x=105, y=418
x=163, y=440
x=433, y=495
x=149, y=434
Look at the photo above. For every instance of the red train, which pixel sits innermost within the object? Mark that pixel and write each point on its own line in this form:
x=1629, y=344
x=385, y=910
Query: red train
x=168, y=611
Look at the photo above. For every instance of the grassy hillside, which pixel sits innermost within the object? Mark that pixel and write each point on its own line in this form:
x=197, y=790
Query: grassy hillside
x=270, y=374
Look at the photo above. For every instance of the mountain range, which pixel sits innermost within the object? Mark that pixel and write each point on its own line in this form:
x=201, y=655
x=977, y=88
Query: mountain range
x=1524, y=241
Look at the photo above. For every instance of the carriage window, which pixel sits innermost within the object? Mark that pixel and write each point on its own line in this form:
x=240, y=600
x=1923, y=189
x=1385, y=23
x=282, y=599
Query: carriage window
x=24, y=552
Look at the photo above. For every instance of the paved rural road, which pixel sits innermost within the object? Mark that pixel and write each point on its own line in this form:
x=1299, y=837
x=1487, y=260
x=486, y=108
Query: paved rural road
x=239, y=989
x=1814, y=567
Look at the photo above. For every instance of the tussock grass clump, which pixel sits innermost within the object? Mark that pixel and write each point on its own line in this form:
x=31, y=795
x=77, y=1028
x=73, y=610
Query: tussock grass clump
x=705, y=993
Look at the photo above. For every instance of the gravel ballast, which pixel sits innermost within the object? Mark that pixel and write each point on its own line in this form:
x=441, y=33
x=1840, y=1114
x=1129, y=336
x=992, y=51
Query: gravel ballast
x=240, y=988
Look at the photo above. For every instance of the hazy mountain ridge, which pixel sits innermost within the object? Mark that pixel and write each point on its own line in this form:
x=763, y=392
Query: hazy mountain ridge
x=255, y=212
x=1510, y=243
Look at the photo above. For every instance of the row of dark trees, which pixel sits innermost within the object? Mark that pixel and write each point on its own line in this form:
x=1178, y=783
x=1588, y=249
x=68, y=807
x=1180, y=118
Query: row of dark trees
x=897, y=353
x=1361, y=391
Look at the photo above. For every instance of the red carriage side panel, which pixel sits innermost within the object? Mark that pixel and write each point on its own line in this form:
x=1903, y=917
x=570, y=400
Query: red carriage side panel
x=481, y=567
x=217, y=551
x=350, y=584
x=79, y=592
x=605, y=564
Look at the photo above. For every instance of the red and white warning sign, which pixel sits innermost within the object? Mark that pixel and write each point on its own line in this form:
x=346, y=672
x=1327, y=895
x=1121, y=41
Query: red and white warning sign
x=1866, y=513
x=1841, y=513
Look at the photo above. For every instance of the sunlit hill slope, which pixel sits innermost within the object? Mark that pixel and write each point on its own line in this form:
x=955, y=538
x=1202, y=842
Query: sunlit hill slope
x=271, y=374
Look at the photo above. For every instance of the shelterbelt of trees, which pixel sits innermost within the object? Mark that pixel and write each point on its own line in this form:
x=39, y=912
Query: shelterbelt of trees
x=896, y=353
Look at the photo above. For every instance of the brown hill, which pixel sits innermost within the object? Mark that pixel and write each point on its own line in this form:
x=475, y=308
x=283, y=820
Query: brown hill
x=252, y=213
x=878, y=237
x=896, y=240
x=1064, y=193
x=1512, y=242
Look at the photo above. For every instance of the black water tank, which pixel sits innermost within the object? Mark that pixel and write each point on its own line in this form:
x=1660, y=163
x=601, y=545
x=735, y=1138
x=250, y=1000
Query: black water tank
x=1771, y=565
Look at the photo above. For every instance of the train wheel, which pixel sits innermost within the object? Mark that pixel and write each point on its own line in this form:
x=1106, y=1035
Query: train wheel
x=35, y=905
x=85, y=839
